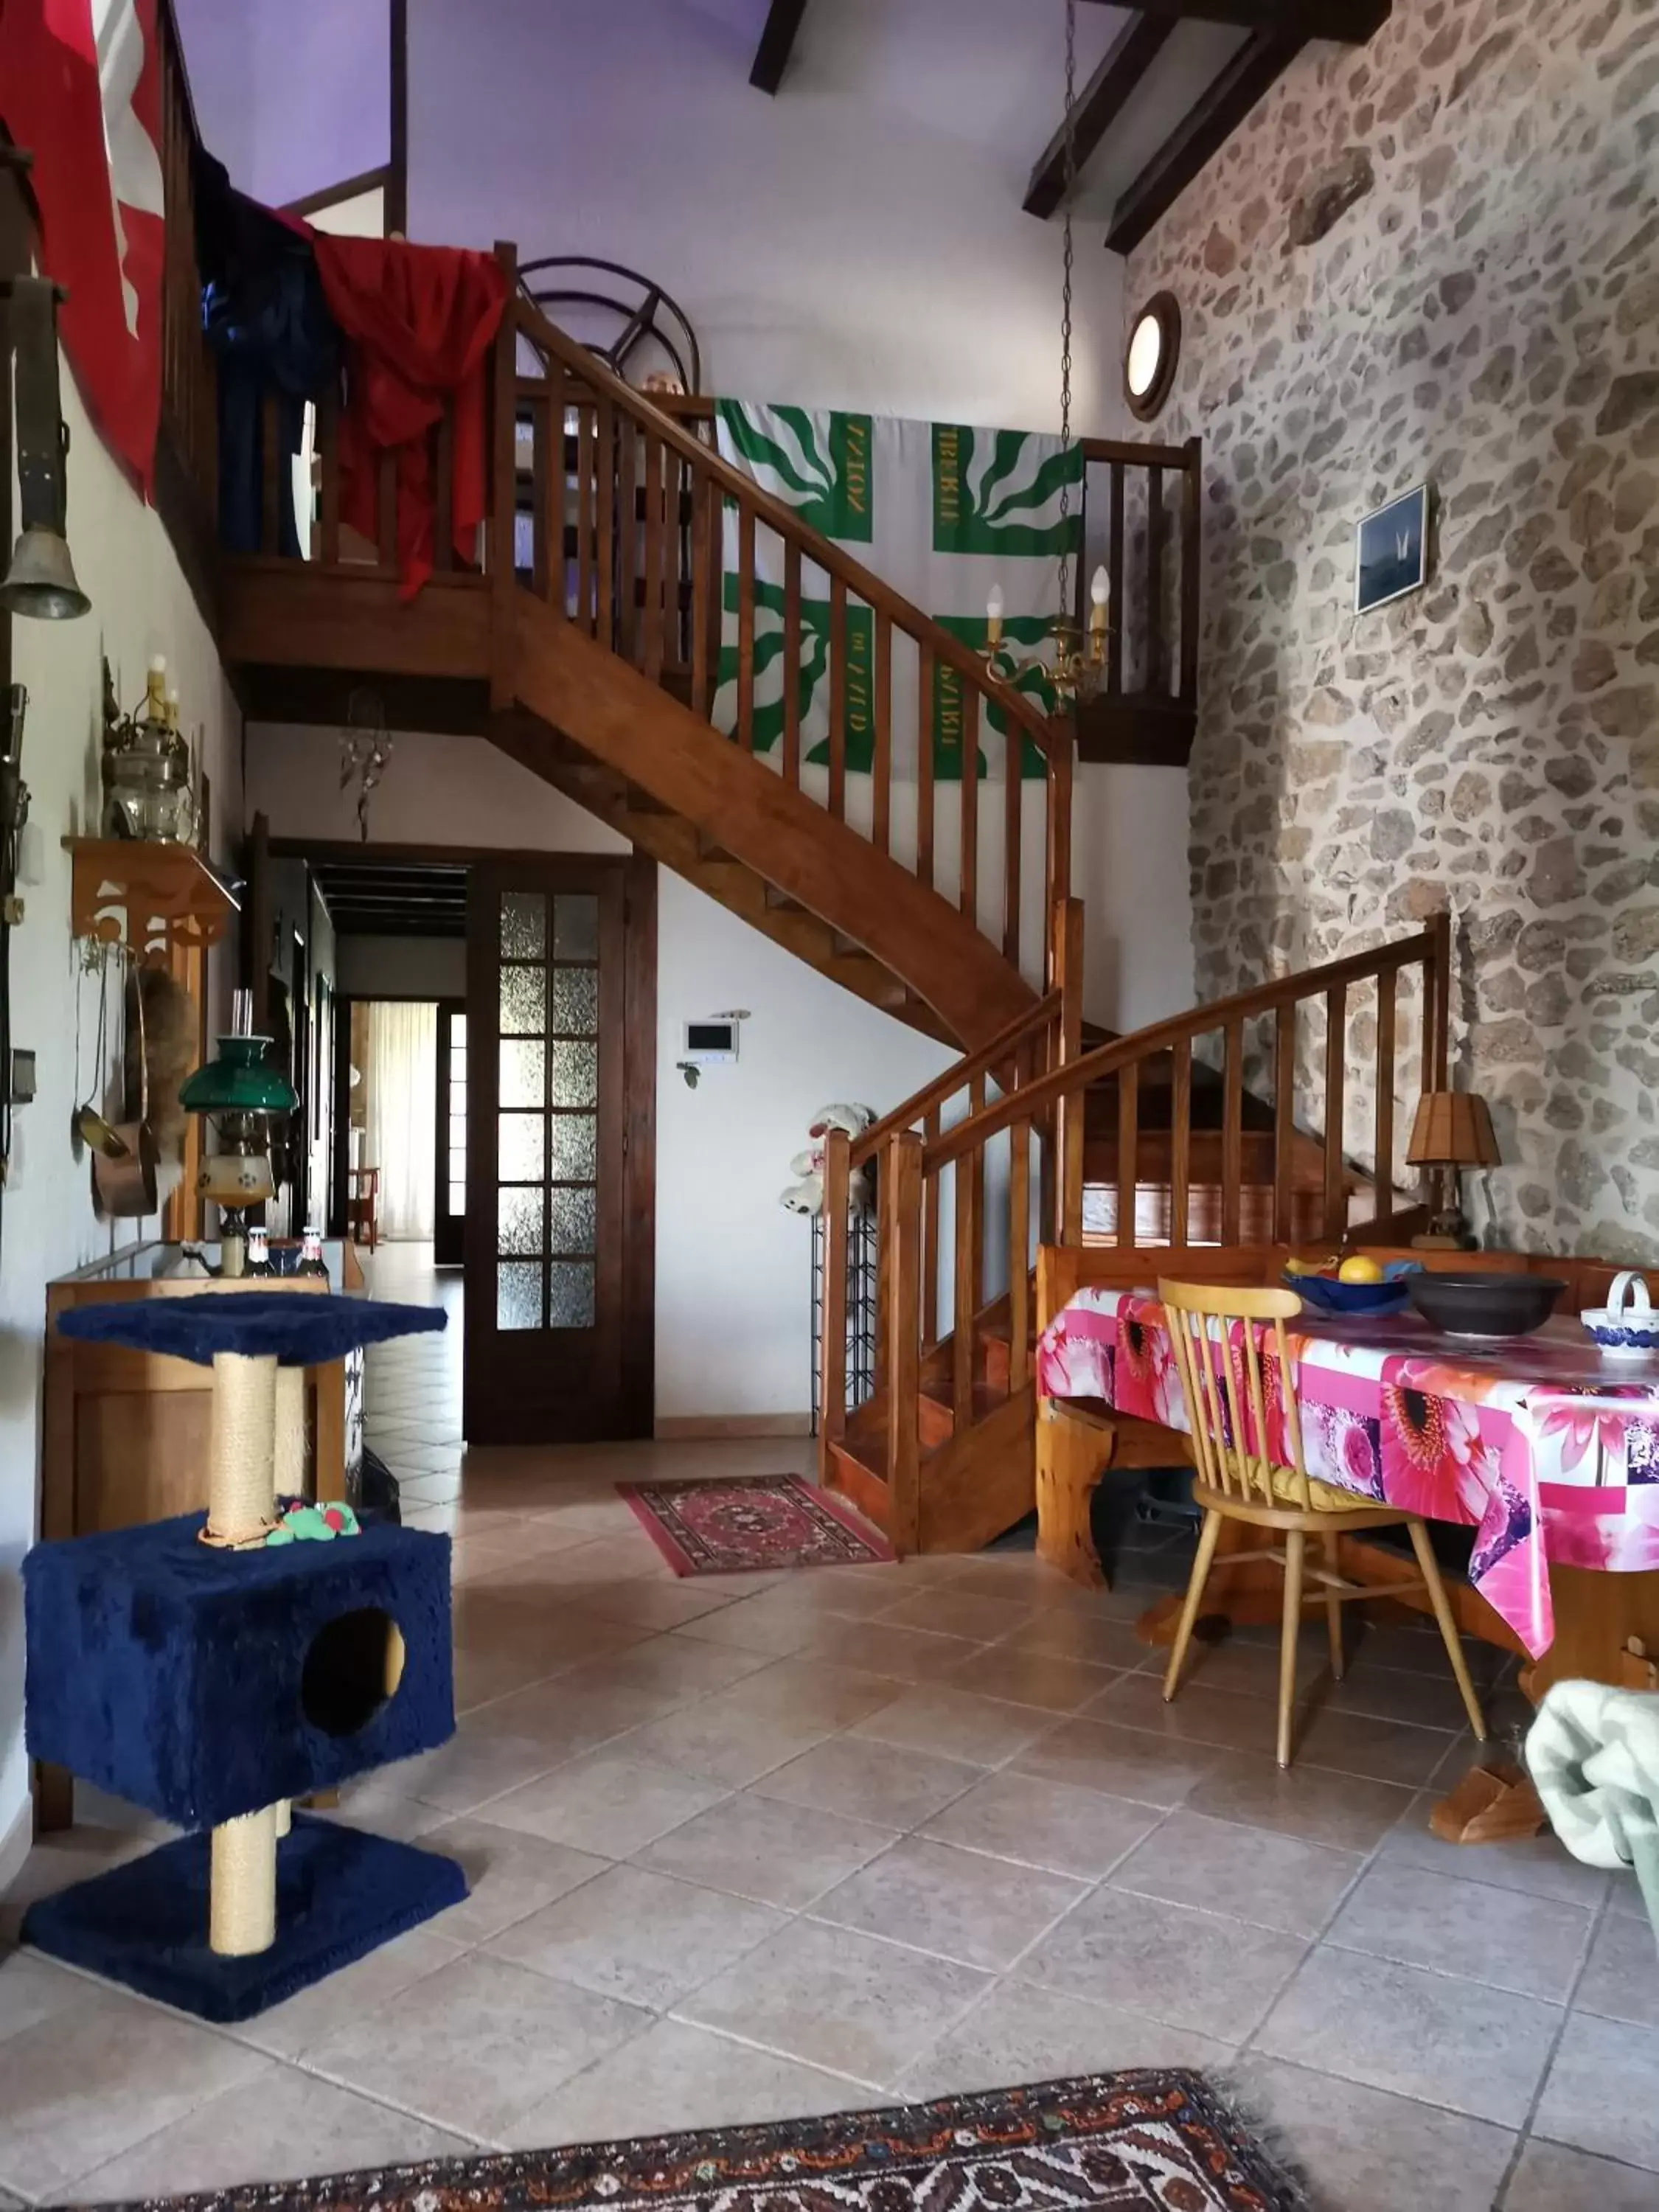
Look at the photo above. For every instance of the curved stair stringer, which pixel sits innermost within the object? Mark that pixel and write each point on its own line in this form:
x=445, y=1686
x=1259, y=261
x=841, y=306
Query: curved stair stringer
x=568, y=688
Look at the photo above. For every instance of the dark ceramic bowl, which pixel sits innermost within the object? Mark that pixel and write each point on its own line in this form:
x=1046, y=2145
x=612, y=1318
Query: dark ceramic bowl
x=1326, y=1295
x=1485, y=1305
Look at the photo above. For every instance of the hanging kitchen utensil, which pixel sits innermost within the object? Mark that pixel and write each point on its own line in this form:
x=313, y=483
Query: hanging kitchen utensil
x=97, y=1134
x=125, y=1188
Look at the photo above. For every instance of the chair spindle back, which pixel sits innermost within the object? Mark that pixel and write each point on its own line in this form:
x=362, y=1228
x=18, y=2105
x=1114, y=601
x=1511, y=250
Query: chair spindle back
x=1216, y=1331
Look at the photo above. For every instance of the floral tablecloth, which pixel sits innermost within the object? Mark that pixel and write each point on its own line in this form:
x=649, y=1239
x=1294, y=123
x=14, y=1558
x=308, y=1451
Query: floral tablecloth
x=1552, y=1460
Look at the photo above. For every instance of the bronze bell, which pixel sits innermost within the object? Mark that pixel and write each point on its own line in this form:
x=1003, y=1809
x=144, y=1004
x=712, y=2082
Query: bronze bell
x=40, y=580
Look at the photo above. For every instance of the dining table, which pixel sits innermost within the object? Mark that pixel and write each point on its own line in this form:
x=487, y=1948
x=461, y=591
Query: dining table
x=1548, y=1449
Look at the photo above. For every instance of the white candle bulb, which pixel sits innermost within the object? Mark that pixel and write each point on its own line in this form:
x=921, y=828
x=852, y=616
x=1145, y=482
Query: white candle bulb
x=993, y=607
x=1100, y=586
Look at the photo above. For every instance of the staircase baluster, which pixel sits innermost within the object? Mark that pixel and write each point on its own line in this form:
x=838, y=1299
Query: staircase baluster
x=930, y=1240
x=1019, y=1240
x=1128, y=1153
x=1232, y=1129
x=443, y=486
x=832, y=1363
x=585, y=501
x=273, y=462
x=925, y=692
x=1336, y=1083
x=1284, y=1120
x=838, y=698
x=705, y=587
x=678, y=557
x=1013, y=756
x=606, y=488
x=1156, y=517
x=903, y=1179
x=652, y=641
x=1383, y=1179
x=628, y=539
x=969, y=900
x=881, y=766
x=1191, y=569
x=546, y=507
x=1070, y=1119
x=746, y=628
x=1114, y=570
x=1180, y=1138
x=328, y=449
x=792, y=662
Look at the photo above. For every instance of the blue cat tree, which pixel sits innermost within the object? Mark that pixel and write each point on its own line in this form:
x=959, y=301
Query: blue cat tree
x=195, y=1671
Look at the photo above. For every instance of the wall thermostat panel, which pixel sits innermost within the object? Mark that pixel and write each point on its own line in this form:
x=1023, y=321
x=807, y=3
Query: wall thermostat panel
x=708, y=1044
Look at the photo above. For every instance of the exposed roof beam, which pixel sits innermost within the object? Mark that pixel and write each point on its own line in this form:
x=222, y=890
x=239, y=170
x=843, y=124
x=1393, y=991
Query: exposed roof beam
x=1202, y=134
x=777, y=42
x=1350, y=22
x=1098, y=105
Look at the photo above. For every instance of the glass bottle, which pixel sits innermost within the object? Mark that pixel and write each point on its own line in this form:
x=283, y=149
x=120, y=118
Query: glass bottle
x=311, y=1262
x=259, y=1253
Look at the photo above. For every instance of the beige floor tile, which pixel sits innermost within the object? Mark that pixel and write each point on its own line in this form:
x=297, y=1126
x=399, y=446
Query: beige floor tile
x=676, y=2076
x=33, y=1989
x=1600, y=2094
x=1194, y=1715
x=641, y=1936
x=810, y=1689
x=950, y=1611
x=294, y=2029
x=902, y=1655
x=1362, y=1744
x=1343, y=1810
x=737, y=1736
x=475, y=1764
x=1048, y=1678
x=374, y=1804
x=1541, y=1865
x=1369, y=2151
x=1429, y=1699
x=566, y=1721
x=1097, y=1640
x=1122, y=1762
x=859, y=1593
x=1018, y=1576
x=509, y=1877
x=82, y=2086
x=1272, y=1881
x=956, y=1904
x=859, y=1779
x=652, y=1604
x=768, y=1623
x=1622, y=1981
x=605, y=1802
x=1038, y=1823
x=487, y=2043
x=1550, y=2179
x=1454, y=2043
x=957, y=1724
x=1017, y=2033
x=1530, y=1944
x=758, y=1847
x=281, y=2126
x=675, y=1670
x=845, y=2002
x=1193, y=1969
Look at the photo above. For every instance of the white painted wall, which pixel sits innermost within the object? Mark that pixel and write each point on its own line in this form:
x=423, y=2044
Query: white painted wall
x=1129, y=829
x=139, y=606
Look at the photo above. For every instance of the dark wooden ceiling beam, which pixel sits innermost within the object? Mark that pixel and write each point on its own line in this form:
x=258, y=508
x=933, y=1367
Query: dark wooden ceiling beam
x=777, y=43
x=1258, y=64
x=1350, y=22
x=1098, y=106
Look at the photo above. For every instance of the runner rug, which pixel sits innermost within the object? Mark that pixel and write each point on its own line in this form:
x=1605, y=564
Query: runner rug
x=1143, y=2141
x=756, y=1522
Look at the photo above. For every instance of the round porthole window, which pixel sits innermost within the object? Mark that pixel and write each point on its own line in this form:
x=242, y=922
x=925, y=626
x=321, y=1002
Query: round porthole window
x=1149, y=362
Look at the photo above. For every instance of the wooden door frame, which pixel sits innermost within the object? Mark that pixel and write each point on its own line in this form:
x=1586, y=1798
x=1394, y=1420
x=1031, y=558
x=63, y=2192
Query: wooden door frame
x=636, y=1380
x=440, y=1135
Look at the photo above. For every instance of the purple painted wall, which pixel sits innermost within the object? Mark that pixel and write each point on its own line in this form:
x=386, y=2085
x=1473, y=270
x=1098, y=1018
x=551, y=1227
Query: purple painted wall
x=291, y=94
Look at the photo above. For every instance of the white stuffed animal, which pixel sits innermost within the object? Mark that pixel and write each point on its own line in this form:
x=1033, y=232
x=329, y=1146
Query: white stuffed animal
x=806, y=1194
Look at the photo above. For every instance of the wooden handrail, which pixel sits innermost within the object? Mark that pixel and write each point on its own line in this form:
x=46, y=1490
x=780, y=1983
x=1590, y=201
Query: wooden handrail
x=1431, y=946
x=546, y=338
x=1129, y=455
x=1036, y=1022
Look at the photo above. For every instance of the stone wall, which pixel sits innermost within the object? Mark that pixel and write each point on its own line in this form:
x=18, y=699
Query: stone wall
x=1438, y=257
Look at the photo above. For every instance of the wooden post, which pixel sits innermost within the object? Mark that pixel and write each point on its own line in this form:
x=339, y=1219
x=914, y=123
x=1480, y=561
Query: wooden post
x=1382, y=1172
x=1436, y=1020
x=1068, y=980
x=832, y=1362
x=504, y=492
x=1192, y=483
x=1336, y=1085
x=902, y=1181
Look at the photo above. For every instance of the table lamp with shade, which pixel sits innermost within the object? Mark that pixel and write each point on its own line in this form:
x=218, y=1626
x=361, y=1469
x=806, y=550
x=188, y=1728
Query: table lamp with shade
x=241, y=1097
x=1452, y=1131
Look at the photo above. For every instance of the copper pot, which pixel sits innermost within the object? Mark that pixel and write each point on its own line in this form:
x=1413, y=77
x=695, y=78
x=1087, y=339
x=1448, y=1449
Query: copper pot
x=124, y=1183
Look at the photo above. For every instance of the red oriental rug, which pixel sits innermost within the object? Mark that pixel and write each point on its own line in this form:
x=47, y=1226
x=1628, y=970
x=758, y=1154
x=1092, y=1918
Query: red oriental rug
x=759, y=1521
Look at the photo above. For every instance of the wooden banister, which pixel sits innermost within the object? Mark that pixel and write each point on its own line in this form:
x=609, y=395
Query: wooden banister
x=1001, y=1047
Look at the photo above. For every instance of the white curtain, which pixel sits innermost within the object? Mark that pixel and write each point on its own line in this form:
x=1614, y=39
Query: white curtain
x=401, y=1113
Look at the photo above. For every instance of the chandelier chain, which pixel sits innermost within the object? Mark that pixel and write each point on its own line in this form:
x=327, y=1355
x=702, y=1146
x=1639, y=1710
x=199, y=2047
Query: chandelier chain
x=1069, y=129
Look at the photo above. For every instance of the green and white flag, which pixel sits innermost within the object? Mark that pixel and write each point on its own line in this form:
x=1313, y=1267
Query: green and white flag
x=941, y=511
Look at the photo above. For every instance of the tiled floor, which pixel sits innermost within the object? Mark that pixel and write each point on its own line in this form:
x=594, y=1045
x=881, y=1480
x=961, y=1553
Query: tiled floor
x=742, y=1850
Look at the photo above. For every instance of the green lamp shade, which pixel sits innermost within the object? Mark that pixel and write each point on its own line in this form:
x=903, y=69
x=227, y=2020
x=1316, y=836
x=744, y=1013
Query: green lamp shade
x=237, y=1081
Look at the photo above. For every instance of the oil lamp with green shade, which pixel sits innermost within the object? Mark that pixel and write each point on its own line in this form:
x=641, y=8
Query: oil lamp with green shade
x=241, y=1097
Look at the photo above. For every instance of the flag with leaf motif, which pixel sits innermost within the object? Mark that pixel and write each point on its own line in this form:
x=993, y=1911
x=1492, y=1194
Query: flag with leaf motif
x=940, y=511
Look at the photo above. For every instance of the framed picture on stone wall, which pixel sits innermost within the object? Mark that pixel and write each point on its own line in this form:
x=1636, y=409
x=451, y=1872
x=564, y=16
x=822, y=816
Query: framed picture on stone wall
x=1391, y=552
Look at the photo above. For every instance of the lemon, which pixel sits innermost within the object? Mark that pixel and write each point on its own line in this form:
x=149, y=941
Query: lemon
x=1361, y=1268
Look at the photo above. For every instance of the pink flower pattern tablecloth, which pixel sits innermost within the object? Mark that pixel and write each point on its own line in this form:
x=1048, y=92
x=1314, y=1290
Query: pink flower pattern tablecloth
x=1550, y=1453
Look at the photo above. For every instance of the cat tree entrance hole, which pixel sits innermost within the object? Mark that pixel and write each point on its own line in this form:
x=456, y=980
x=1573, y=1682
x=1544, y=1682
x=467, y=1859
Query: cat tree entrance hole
x=353, y=1664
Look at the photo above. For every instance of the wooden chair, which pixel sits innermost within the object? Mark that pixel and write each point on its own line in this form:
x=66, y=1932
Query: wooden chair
x=1236, y=1480
x=362, y=1206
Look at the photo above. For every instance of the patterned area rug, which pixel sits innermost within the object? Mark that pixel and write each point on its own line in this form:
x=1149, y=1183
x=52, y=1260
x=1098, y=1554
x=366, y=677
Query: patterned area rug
x=1152, y=2142
x=760, y=1521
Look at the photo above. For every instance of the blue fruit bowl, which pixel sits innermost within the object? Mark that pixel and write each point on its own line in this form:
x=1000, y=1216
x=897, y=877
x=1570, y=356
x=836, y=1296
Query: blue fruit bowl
x=1325, y=1295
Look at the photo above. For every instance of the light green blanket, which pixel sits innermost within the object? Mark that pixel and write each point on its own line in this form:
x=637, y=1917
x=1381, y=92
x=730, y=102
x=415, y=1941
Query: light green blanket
x=1593, y=1753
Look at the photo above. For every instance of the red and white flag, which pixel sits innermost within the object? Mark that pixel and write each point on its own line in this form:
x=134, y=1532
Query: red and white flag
x=81, y=89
